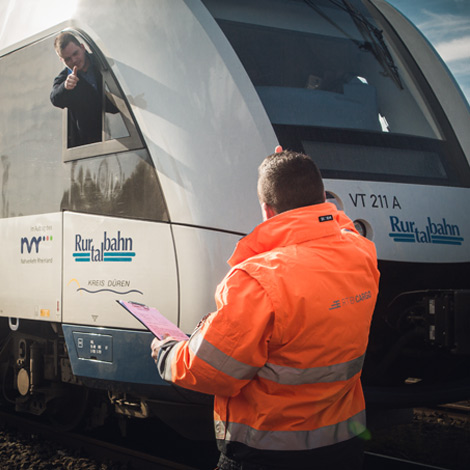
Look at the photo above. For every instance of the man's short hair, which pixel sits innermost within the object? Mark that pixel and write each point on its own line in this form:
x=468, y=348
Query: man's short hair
x=63, y=40
x=288, y=180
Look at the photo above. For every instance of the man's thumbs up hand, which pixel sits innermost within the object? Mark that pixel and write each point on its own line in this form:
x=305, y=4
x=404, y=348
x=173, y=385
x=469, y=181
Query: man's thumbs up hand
x=72, y=80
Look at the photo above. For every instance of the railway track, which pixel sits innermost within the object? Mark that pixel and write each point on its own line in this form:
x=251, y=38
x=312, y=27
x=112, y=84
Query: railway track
x=374, y=461
x=111, y=456
x=77, y=450
x=437, y=437
x=458, y=412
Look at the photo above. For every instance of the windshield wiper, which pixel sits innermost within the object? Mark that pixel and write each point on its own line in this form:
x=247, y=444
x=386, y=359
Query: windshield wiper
x=373, y=37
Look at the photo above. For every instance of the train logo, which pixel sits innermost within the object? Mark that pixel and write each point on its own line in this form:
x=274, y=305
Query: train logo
x=442, y=232
x=110, y=249
x=29, y=243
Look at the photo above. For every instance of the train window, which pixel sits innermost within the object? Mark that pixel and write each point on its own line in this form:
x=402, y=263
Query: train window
x=119, y=181
x=97, y=121
x=333, y=77
x=321, y=66
x=30, y=137
x=114, y=125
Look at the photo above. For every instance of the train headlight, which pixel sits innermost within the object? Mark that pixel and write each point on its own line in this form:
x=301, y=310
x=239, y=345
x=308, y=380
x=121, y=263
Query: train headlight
x=364, y=228
x=360, y=227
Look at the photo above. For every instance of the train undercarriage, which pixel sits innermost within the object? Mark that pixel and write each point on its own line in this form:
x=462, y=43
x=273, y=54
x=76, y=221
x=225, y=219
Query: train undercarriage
x=37, y=379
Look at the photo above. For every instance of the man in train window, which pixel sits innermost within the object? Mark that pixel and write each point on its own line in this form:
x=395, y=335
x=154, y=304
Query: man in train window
x=79, y=88
x=283, y=353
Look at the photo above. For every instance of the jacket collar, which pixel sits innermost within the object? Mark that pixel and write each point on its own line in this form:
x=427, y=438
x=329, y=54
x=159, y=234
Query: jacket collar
x=291, y=228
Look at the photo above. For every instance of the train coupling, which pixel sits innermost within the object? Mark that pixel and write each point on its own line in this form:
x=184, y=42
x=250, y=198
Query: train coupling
x=448, y=315
x=444, y=314
x=127, y=406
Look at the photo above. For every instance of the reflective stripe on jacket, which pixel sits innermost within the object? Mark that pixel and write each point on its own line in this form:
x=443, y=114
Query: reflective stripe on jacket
x=283, y=353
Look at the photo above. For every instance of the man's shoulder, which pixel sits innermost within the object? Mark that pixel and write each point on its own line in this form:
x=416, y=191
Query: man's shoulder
x=267, y=263
x=93, y=59
x=64, y=72
x=62, y=76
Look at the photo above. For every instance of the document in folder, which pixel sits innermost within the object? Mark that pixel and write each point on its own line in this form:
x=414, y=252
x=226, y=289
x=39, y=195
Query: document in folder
x=150, y=317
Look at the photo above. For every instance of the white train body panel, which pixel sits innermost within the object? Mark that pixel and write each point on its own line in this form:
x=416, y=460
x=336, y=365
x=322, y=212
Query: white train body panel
x=405, y=227
x=32, y=251
x=202, y=256
x=108, y=259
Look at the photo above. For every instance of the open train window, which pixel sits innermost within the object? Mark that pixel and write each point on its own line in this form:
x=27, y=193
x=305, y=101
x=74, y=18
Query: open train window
x=102, y=124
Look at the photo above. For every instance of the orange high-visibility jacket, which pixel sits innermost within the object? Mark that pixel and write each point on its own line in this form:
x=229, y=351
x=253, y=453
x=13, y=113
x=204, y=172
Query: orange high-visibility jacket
x=283, y=353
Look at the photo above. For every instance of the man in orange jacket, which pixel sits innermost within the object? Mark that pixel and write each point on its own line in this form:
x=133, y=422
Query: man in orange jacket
x=283, y=353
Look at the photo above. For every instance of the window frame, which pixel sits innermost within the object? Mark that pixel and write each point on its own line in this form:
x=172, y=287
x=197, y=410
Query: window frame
x=133, y=141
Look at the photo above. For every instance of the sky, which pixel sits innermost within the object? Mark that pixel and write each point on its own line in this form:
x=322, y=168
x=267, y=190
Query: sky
x=446, y=25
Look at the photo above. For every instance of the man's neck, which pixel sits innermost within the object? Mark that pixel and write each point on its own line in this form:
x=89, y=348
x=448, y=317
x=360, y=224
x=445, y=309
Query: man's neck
x=87, y=64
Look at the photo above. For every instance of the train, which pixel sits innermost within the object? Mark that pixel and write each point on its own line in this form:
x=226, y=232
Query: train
x=205, y=89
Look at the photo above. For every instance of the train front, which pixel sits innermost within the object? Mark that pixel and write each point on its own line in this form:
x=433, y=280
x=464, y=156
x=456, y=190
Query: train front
x=356, y=86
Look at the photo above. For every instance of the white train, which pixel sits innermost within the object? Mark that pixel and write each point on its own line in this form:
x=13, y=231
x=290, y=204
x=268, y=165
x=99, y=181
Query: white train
x=205, y=90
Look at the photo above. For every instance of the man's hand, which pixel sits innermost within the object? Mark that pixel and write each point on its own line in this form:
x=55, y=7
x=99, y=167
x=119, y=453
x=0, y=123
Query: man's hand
x=72, y=80
x=157, y=344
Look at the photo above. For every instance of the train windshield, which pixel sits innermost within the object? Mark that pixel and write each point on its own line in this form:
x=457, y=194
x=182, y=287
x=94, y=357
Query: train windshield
x=330, y=77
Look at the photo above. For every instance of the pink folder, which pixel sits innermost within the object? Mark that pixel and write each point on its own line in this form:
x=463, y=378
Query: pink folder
x=150, y=317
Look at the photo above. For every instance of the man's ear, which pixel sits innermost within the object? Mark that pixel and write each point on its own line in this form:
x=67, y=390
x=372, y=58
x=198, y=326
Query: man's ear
x=267, y=211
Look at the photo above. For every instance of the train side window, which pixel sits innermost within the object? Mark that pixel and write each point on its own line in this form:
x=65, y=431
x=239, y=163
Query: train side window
x=106, y=126
x=30, y=138
x=114, y=124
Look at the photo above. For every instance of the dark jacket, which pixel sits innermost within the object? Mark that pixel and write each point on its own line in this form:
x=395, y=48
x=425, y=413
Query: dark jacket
x=84, y=105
